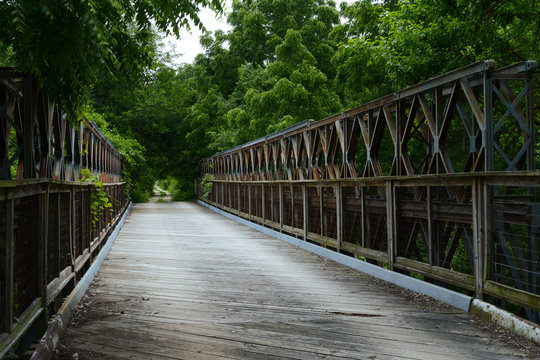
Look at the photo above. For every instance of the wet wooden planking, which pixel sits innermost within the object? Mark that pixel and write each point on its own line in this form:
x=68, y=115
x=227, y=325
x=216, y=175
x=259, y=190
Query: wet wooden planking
x=182, y=282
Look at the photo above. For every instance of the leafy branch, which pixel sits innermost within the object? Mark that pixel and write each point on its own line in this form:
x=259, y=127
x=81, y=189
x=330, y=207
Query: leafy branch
x=100, y=199
x=207, y=184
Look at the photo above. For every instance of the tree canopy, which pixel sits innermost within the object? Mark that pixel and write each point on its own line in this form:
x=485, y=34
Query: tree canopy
x=282, y=62
x=68, y=44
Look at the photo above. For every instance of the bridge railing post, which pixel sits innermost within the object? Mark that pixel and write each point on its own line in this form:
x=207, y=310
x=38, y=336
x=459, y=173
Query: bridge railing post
x=263, y=204
x=43, y=237
x=10, y=255
x=478, y=234
x=391, y=222
x=239, y=200
x=71, y=228
x=249, y=202
x=364, y=219
x=339, y=216
x=430, y=223
x=485, y=240
x=281, y=207
x=305, y=210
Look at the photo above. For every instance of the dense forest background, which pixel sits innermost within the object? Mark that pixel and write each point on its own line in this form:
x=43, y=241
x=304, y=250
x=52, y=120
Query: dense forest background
x=284, y=61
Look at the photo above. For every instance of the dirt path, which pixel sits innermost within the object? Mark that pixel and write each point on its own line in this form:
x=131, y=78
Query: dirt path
x=160, y=195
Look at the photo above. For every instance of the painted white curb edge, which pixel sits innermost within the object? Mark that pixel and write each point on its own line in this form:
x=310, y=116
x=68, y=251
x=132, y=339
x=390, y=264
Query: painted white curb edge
x=506, y=320
x=453, y=298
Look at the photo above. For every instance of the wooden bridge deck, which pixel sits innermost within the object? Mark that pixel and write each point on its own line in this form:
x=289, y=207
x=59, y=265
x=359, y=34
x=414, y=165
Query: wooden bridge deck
x=182, y=282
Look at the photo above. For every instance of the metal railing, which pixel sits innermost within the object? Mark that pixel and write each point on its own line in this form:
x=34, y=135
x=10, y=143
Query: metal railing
x=486, y=244
x=50, y=231
x=49, y=236
x=437, y=181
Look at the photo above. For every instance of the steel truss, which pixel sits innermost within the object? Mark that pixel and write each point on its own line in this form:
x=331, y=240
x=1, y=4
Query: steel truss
x=356, y=181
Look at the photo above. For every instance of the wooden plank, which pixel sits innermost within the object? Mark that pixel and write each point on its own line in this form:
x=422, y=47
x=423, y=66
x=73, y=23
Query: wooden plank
x=366, y=252
x=183, y=282
x=520, y=297
x=19, y=328
x=322, y=239
x=452, y=277
x=58, y=284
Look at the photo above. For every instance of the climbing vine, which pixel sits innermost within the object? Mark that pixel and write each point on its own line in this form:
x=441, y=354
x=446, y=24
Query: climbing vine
x=207, y=184
x=99, y=198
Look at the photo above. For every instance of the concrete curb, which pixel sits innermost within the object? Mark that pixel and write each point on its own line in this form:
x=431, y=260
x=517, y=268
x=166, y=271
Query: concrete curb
x=57, y=325
x=509, y=321
x=453, y=298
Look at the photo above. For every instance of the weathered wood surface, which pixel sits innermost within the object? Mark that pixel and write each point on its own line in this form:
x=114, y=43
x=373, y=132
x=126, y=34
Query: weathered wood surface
x=182, y=282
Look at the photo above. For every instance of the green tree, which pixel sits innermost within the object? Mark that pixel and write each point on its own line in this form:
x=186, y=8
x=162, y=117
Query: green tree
x=139, y=180
x=412, y=41
x=67, y=44
x=299, y=91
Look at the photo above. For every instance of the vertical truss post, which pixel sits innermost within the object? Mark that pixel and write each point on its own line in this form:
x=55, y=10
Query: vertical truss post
x=531, y=153
x=439, y=113
x=29, y=106
x=487, y=132
x=344, y=148
x=399, y=136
